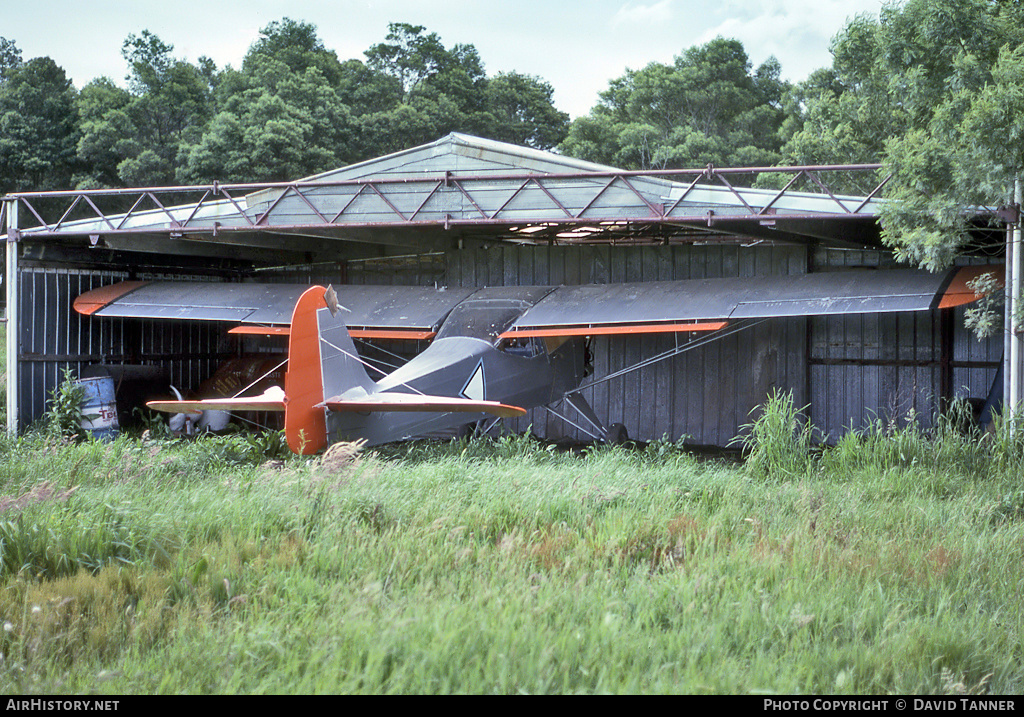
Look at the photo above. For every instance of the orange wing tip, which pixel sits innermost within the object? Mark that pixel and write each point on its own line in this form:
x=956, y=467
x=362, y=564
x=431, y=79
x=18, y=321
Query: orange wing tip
x=90, y=302
x=615, y=330
x=959, y=293
x=261, y=330
x=423, y=404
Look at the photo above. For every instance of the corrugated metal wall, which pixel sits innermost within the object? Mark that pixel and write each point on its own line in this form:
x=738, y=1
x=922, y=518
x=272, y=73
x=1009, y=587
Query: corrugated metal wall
x=891, y=367
x=55, y=337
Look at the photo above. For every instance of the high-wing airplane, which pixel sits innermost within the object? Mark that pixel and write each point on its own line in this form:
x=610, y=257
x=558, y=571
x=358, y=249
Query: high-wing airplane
x=495, y=351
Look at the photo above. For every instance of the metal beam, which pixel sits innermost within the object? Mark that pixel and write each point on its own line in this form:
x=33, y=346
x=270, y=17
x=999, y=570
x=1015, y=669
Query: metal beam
x=495, y=202
x=13, y=323
x=1013, y=298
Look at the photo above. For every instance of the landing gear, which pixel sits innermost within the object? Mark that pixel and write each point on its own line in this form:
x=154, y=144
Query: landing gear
x=616, y=435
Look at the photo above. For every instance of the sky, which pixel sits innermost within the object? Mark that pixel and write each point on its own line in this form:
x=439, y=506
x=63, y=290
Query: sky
x=576, y=46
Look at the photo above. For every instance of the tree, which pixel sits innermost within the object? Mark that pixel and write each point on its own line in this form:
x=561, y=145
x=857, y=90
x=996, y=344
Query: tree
x=410, y=56
x=281, y=117
x=10, y=57
x=935, y=90
x=38, y=132
x=523, y=111
x=441, y=91
x=171, y=104
x=288, y=48
x=930, y=88
x=707, y=107
x=133, y=137
x=108, y=134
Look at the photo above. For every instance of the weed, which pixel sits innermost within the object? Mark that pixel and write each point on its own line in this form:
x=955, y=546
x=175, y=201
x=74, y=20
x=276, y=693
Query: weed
x=64, y=416
x=778, y=441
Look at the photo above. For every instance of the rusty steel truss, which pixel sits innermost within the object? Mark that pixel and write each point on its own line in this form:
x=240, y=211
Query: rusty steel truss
x=570, y=207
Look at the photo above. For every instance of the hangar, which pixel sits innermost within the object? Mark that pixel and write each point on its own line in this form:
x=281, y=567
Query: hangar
x=467, y=212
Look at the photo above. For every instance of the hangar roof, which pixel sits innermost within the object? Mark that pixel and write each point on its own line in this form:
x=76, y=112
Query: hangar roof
x=459, y=187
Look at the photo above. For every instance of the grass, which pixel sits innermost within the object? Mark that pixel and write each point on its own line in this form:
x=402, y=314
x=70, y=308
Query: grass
x=890, y=563
x=501, y=567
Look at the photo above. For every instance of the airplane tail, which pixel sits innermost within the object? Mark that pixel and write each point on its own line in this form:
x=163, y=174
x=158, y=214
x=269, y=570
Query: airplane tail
x=322, y=362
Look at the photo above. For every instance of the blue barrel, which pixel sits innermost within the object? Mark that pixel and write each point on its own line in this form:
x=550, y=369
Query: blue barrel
x=99, y=409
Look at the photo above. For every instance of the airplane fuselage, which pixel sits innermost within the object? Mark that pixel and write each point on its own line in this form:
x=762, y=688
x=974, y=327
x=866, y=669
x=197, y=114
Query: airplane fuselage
x=466, y=367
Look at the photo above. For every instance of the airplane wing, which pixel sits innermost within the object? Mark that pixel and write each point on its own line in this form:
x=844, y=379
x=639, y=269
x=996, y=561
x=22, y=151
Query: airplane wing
x=381, y=312
x=270, y=400
x=382, y=402
x=688, y=305
x=709, y=304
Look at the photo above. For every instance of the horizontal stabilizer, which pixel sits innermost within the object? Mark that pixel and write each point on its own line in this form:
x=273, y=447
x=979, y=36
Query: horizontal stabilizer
x=270, y=400
x=381, y=402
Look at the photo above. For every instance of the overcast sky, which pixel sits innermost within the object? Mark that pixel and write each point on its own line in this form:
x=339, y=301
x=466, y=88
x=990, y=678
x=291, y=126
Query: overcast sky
x=576, y=46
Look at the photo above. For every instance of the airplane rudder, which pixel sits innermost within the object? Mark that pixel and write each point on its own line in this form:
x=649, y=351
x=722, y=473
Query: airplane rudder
x=305, y=424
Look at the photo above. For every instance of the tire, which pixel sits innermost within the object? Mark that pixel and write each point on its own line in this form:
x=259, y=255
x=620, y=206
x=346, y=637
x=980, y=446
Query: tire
x=616, y=434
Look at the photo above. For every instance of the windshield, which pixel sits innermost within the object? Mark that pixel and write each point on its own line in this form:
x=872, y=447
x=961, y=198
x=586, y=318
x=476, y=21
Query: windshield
x=482, y=319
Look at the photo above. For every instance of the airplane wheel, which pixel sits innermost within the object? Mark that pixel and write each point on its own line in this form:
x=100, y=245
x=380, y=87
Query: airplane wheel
x=616, y=434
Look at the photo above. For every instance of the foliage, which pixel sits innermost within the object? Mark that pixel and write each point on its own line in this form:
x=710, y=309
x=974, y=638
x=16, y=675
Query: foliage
x=983, y=318
x=291, y=110
x=777, y=444
x=38, y=124
x=706, y=108
x=933, y=89
x=64, y=416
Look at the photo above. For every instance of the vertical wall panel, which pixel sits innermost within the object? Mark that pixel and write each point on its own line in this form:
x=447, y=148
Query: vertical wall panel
x=889, y=367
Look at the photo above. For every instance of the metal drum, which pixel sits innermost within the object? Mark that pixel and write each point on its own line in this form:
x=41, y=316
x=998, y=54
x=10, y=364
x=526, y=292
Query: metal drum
x=99, y=409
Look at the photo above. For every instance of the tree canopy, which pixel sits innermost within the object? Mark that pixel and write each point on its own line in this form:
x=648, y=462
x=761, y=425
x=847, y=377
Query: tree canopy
x=933, y=90
x=291, y=109
x=38, y=123
x=709, y=107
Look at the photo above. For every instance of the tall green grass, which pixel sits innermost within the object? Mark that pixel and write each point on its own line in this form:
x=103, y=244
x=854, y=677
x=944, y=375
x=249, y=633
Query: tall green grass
x=888, y=564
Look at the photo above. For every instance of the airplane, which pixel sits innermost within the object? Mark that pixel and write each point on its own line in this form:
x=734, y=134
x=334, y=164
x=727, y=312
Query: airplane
x=494, y=351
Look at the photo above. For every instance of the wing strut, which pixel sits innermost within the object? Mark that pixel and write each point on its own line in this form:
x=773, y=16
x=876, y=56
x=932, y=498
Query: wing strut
x=733, y=328
x=576, y=400
x=578, y=427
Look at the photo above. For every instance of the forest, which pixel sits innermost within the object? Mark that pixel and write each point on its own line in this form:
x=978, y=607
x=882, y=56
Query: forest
x=932, y=89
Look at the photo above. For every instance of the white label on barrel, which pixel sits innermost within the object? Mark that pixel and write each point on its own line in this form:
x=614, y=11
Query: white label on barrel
x=95, y=418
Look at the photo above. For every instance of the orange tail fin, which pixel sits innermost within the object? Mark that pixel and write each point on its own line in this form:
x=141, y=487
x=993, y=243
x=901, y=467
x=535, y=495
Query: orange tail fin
x=322, y=362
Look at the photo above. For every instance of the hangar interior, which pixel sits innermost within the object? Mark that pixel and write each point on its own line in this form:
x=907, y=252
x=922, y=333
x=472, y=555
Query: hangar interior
x=468, y=212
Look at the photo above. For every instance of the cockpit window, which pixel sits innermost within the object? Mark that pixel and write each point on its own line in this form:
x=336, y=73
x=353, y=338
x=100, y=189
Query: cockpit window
x=482, y=319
